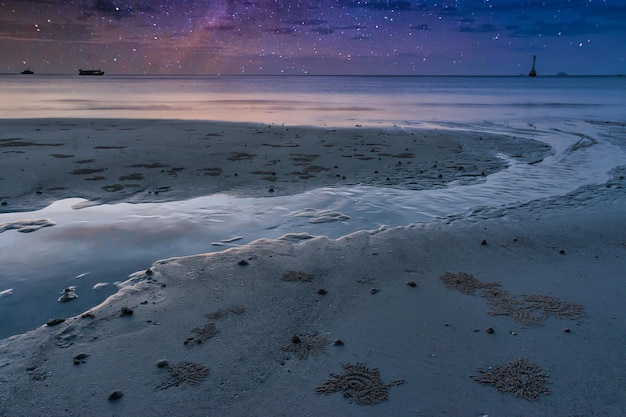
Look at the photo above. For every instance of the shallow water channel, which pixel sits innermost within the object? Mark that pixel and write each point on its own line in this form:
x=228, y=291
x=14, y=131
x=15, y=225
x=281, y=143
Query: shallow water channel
x=94, y=247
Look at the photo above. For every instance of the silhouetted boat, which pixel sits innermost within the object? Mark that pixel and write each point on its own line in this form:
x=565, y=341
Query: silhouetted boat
x=90, y=72
x=27, y=72
x=532, y=72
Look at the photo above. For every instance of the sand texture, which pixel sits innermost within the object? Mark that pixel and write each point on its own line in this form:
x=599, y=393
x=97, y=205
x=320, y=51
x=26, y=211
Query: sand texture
x=511, y=311
x=148, y=160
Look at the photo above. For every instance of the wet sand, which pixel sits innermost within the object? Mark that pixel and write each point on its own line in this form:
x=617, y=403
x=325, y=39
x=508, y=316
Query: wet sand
x=390, y=322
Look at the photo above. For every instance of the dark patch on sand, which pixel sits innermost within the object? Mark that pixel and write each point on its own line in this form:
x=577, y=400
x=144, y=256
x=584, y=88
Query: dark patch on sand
x=241, y=156
x=87, y=171
x=358, y=384
x=184, y=373
x=520, y=378
x=529, y=310
x=465, y=282
x=10, y=143
x=204, y=333
x=119, y=187
x=297, y=276
x=304, y=344
x=213, y=172
x=110, y=147
x=135, y=176
x=61, y=155
x=303, y=159
x=150, y=165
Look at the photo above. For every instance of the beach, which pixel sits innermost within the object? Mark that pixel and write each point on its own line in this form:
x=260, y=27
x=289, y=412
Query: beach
x=514, y=309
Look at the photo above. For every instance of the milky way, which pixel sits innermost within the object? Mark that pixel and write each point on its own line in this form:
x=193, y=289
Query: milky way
x=472, y=37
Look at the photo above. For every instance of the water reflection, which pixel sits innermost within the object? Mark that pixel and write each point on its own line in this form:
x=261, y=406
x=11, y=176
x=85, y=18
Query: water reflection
x=332, y=101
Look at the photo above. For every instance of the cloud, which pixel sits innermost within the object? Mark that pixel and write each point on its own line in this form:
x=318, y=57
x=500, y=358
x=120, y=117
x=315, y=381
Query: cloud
x=111, y=7
x=399, y=5
x=308, y=22
x=579, y=27
x=423, y=26
x=484, y=28
x=323, y=31
x=282, y=31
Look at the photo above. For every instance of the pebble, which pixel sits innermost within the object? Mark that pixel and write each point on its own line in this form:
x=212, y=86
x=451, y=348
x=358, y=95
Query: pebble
x=127, y=311
x=411, y=284
x=490, y=330
x=116, y=395
x=162, y=363
x=81, y=356
x=54, y=322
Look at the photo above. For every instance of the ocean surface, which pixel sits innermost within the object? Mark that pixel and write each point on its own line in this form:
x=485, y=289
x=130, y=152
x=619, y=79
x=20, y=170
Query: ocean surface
x=94, y=248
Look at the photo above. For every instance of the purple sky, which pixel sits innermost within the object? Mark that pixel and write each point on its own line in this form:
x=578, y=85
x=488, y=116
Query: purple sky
x=462, y=37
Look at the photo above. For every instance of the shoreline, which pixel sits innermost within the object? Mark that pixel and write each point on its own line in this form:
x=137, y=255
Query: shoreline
x=431, y=337
x=230, y=325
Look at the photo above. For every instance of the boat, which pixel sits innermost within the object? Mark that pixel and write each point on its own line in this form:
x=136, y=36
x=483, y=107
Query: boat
x=532, y=72
x=90, y=72
x=27, y=72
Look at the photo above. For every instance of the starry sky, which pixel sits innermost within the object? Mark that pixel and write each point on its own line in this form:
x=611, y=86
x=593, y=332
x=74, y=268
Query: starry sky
x=378, y=37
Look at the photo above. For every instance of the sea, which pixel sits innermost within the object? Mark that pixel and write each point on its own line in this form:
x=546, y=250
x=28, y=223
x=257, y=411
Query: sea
x=581, y=118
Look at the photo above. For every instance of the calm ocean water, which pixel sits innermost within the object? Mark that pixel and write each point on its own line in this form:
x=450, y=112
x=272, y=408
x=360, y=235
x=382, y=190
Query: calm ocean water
x=313, y=100
x=94, y=247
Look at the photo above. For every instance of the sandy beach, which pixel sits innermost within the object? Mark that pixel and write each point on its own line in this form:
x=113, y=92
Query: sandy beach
x=510, y=311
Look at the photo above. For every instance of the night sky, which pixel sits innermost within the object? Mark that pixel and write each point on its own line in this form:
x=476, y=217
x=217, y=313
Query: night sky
x=447, y=37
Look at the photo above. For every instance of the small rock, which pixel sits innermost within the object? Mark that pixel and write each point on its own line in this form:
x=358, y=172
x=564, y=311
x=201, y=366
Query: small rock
x=149, y=271
x=374, y=290
x=562, y=251
x=566, y=330
x=68, y=294
x=81, y=356
x=411, y=284
x=54, y=322
x=322, y=291
x=116, y=395
x=243, y=262
x=126, y=311
x=338, y=342
x=483, y=242
x=490, y=330
x=162, y=363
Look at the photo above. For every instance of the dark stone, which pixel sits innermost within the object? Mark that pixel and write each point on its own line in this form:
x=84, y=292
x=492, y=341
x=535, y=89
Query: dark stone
x=54, y=322
x=127, y=311
x=115, y=395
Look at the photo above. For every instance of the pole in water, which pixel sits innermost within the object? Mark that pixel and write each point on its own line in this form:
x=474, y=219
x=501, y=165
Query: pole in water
x=532, y=72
